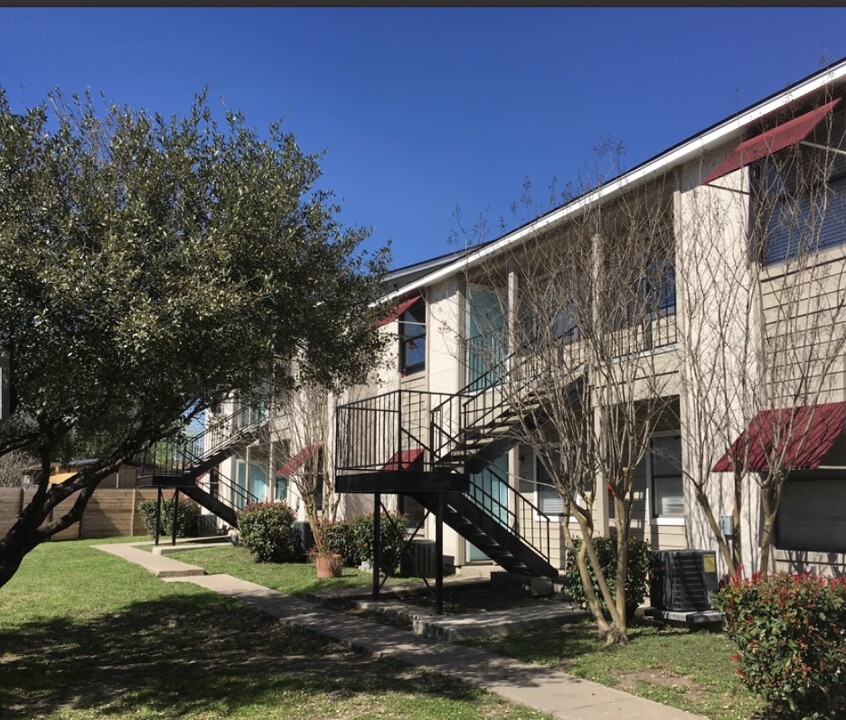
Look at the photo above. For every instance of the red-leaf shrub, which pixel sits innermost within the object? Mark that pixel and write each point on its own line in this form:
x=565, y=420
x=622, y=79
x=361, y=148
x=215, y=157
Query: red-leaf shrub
x=791, y=636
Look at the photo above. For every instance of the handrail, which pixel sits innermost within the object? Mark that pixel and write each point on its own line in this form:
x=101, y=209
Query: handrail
x=216, y=479
x=177, y=455
x=523, y=519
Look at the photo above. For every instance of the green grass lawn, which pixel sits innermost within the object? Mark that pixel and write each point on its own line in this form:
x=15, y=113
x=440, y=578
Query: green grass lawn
x=688, y=670
x=291, y=578
x=86, y=635
x=684, y=669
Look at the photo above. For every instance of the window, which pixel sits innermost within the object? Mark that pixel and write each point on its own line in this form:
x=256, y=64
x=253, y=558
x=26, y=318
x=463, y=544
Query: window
x=659, y=289
x=549, y=500
x=799, y=201
x=665, y=477
x=812, y=513
x=796, y=227
x=281, y=491
x=564, y=326
x=412, y=328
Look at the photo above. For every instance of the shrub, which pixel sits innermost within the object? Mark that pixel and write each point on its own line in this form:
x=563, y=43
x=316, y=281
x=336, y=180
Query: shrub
x=637, y=574
x=339, y=537
x=791, y=636
x=267, y=531
x=392, y=531
x=187, y=514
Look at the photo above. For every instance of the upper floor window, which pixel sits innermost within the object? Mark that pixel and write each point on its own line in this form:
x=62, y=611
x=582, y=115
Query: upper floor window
x=412, y=332
x=798, y=203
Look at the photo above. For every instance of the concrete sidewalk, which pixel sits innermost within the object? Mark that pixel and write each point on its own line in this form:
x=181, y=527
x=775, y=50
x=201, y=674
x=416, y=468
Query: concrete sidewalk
x=561, y=695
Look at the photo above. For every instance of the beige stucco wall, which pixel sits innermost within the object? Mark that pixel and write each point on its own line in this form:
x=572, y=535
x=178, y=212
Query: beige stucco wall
x=718, y=333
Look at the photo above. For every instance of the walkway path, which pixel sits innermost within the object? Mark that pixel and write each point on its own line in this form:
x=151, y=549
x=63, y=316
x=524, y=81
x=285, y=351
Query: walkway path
x=561, y=695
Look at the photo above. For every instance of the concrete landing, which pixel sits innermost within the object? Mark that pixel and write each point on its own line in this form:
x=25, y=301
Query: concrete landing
x=161, y=566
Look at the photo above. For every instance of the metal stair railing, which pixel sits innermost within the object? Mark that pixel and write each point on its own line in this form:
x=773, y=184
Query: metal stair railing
x=478, y=408
x=214, y=482
x=180, y=455
x=479, y=402
x=521, y=516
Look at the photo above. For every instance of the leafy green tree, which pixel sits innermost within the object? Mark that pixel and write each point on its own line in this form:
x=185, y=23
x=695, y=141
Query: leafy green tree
x=151, y=266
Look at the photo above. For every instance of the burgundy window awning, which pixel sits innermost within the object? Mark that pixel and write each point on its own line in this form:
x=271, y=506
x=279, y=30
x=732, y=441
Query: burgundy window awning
x=398, y=310
x=780, y=137
x=297, y=461
x=800, y=436
x=403, y=460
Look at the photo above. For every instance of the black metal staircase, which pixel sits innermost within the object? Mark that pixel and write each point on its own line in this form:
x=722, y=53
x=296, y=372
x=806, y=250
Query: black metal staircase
x=187, y=464
x=456, y=435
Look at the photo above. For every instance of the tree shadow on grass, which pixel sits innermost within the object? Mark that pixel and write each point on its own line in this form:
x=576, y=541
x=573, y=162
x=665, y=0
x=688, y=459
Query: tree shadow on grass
x=193, y=655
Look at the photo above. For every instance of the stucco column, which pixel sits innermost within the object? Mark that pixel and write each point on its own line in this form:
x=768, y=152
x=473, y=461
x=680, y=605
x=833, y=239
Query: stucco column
x=601, y=502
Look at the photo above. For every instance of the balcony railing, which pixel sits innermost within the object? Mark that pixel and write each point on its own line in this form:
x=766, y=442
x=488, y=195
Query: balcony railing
x=386, y=432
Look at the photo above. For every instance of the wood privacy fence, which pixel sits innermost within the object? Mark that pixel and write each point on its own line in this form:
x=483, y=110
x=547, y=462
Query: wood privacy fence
x=110, y=512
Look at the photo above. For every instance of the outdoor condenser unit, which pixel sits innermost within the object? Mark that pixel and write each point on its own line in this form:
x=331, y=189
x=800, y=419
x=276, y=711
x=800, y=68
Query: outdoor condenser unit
x=683, y=580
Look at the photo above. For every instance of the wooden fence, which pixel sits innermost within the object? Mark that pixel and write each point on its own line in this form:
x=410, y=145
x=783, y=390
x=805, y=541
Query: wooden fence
x=110, y=512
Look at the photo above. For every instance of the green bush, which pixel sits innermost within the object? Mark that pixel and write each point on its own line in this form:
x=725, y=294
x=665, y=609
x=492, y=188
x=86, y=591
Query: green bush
x=637, y=575
x=392, y=531
x=340, y=538
x=187, y=514
x=267, y=531
x=791, y=636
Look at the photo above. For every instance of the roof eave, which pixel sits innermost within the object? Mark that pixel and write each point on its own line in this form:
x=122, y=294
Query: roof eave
x=682, y=153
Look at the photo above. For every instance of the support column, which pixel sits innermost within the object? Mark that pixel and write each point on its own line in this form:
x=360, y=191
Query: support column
x=377, y=542
x=439, y=557
x=601, y=511
x=173, y=516
x=158, y=514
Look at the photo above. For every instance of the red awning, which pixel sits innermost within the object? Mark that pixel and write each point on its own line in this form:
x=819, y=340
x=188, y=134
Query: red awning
x=804, y=436
x=403, y=460
x=297, y=461
x=398, y=310
x=780, y=137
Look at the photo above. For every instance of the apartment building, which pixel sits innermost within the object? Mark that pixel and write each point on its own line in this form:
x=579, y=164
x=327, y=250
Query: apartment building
x=698, y=299
x=665, y=349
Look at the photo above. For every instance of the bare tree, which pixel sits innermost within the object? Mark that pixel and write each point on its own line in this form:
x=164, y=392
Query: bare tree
x=303, y=416
x=587, y=379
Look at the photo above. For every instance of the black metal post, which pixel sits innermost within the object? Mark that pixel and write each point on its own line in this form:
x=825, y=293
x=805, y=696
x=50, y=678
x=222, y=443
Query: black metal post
x=158, y=514
x=439, y=557
x=377, y=542
x=173, y=516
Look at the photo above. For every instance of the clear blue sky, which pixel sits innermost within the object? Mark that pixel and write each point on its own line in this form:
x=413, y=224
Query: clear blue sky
x=422, y=110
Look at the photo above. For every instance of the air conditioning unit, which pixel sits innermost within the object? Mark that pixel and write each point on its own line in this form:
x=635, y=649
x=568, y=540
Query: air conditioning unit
x=683, y=580
x=419, y=559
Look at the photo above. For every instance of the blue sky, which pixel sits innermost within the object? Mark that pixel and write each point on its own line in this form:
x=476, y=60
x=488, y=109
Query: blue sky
x=425, y=110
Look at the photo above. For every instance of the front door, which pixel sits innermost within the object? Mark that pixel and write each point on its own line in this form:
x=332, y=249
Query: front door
x=258, y=481
x=486, y=342
x=489, y=489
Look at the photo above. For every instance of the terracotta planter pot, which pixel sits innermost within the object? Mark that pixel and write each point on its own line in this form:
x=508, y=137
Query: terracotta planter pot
x=328, y=565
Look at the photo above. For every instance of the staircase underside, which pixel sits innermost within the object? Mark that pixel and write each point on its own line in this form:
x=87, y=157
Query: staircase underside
x=490, y=536
x=187, y=486
x=402, y=481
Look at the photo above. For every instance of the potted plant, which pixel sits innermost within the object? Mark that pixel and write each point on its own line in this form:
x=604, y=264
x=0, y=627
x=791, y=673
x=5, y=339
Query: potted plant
x=328, y=563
